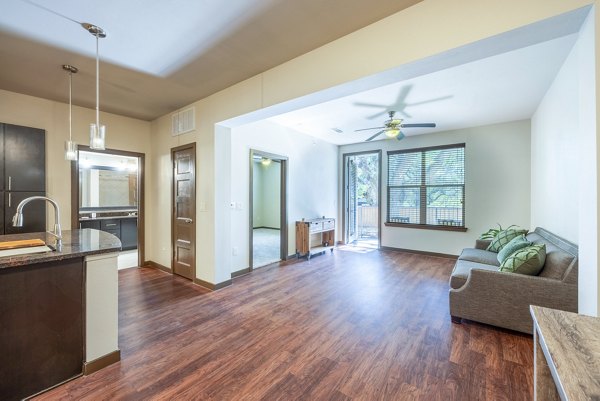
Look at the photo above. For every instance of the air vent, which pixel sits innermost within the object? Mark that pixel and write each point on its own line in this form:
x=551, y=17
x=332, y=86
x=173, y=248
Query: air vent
x=183, y=121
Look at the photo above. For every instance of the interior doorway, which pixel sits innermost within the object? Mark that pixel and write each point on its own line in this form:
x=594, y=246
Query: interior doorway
x=183, y=218
x=109, y=196
x=362, y=206
x=268, y=208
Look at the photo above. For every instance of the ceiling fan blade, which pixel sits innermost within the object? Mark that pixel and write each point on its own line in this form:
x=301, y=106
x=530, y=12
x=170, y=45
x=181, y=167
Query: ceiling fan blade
x=435, y=99
x=403, y=94
x=367, y=129
x=370, y=105
x=400, y=136
x=422, y=125
x=374, y=136
x=377, y=115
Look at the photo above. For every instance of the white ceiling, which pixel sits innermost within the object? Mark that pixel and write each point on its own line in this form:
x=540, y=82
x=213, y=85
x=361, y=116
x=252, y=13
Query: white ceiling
x=162, y=55
x=505, y=87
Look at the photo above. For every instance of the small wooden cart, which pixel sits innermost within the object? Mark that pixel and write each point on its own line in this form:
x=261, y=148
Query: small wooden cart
x=314, y=236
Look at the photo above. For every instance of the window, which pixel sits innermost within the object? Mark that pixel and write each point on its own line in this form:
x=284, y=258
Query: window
x=426, y=187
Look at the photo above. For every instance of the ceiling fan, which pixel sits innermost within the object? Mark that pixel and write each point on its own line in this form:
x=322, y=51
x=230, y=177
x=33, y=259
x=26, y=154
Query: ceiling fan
x=391, y=127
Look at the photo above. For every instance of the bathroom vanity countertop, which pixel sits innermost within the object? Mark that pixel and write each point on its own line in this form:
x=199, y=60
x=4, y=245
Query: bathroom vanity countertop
x=75, y=243
x=107, y=218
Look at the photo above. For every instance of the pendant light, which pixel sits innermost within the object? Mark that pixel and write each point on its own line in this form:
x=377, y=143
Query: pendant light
x=97, y=131
x=70, y=146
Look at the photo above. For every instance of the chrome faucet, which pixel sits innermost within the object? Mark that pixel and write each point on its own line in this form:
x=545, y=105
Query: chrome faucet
x=17, y=219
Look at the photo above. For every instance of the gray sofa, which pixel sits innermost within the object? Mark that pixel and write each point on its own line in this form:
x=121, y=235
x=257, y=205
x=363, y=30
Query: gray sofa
x=479, y=292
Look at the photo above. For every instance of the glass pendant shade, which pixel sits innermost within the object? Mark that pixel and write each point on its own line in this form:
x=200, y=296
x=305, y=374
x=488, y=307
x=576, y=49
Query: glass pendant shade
x=70, y=150
x=392, y=132
x=97, y=136
x=70, y=146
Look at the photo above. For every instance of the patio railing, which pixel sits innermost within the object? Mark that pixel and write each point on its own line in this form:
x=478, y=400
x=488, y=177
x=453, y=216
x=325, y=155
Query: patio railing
x=367, y=221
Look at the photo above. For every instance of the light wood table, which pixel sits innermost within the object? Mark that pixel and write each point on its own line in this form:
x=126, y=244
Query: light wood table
x=566, y=355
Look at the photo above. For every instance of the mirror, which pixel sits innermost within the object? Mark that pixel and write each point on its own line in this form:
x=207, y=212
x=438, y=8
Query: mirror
x=107, y=181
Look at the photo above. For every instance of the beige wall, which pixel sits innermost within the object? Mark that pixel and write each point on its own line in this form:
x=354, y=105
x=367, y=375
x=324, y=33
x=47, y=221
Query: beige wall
x=122, y=133
x=497, y=184
x=430, y=28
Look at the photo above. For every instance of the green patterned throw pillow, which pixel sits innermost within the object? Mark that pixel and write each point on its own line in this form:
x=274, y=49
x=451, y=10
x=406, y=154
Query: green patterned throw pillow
x=504, y=237
x=515, y=244
x=529, y=260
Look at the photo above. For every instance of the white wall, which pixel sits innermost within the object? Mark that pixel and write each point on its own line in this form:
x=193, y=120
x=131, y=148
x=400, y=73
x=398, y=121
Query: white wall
x=555, y=155
x=589, y=115
x=563, y=162
x=267, y=195
x=497, y=179
x=312, y=179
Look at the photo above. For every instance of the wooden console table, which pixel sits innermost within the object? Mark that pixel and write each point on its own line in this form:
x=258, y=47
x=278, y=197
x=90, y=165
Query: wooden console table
x=314, y=236
x=566, y=355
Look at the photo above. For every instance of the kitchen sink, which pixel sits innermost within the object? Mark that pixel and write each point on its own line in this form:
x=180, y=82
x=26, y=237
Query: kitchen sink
x=24, y=251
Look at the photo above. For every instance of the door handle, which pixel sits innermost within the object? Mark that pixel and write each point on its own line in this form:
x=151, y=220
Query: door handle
x=9, y=199
x=185, y=220
x=9, y=182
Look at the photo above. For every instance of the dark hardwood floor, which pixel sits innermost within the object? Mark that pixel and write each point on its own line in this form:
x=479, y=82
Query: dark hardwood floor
x=343, y=326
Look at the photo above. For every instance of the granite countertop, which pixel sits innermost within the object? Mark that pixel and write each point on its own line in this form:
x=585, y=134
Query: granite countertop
x=75, y=244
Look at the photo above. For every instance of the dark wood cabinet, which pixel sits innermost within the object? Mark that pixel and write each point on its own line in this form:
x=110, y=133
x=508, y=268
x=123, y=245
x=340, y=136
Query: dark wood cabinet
x=22, y=174
x=129, y=233
x=95, y=224
x=41, y=341
x=124, y=228
x=24, y=159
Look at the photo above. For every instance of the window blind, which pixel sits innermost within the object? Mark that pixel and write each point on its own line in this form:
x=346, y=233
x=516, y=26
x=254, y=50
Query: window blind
x=427, y=186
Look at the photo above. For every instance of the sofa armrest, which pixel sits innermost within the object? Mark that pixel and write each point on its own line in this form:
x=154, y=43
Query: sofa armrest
x=503, y=299
x=482, y=243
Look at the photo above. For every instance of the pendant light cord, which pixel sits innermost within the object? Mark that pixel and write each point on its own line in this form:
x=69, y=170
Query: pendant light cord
x=70, y=104
x=97, y=86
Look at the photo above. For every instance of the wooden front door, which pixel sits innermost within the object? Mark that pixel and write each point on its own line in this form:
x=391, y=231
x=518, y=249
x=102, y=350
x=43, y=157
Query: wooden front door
x=184, y=211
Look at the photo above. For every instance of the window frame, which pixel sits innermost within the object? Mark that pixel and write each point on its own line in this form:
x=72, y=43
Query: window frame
x=423, y=189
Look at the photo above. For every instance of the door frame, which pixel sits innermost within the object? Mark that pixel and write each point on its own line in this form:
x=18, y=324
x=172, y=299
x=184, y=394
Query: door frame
x=141, y=189
x=283, y=206
x=345, y=157
x=192, y=146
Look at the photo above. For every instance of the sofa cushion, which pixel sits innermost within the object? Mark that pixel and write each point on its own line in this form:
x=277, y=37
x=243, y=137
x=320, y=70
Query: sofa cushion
x=514, y=245
x=504, y=237
x=461, y=271
x=479, y=256
x=529, y=260
x=557, y=260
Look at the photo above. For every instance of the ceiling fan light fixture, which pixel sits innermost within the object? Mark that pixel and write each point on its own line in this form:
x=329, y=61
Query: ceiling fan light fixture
x=392, y=132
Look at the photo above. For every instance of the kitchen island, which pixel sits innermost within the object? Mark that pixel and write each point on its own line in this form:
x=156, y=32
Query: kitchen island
x=58, y=311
